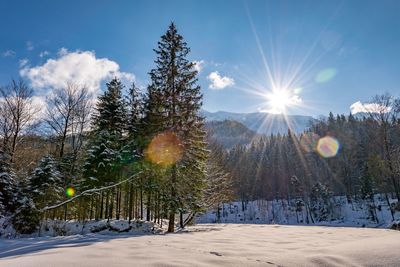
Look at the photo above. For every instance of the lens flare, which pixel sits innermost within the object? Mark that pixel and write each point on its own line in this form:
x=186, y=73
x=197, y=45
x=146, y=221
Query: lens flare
x=70, y=192
x=165, y=149
x=328, y=146
x=325, y=75
x=309, y=141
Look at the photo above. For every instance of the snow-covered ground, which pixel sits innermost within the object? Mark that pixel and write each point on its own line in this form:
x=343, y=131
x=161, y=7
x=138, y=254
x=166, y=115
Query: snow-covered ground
x=342, y=213
x=213, y=245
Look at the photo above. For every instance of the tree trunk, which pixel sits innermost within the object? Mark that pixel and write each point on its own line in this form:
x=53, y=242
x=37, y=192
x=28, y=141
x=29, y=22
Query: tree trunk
x=172, y=211
x=141, y=198
x=148, y=206
x=171, y=223
x=181, y=224
x=130, y=202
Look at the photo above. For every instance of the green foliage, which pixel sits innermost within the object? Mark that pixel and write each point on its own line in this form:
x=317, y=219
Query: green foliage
x=173, y=104
x=45, y=184
x=7, y=185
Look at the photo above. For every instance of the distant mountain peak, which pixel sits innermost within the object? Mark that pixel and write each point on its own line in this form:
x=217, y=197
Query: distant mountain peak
x=262, y=122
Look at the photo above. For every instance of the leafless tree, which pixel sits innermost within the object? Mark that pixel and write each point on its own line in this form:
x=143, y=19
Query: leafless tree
x=385, y=109
x=67, y=115
x=17, y=114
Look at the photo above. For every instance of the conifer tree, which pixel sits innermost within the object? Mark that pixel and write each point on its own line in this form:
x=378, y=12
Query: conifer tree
x=135, y=111
x=106, y=151
x=106, y=139
x=7, y=185
x=45, y=184
x=175, y=101
x=26, y=217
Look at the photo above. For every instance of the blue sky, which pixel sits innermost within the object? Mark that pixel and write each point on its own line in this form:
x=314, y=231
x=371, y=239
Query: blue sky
x=335, y=52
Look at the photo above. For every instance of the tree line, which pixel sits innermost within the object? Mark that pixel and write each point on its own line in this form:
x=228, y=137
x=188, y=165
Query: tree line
x=127, y=155
x=356, y=156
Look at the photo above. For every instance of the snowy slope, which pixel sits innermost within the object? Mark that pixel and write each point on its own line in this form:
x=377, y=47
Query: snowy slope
x=356, y=214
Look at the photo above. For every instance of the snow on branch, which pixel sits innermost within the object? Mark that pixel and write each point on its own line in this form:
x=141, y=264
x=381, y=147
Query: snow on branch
x=90, y=192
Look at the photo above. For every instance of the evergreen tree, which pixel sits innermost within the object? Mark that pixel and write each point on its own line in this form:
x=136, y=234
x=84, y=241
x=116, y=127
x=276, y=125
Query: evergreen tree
x=106, y=149
x=106, y=141
x=135, y=111
x=320, y=202
x=26, y=217
x=174, y=105
x=7, y=185
x=45, y=184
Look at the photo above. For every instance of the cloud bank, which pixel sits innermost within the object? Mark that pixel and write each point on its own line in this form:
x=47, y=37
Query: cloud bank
x=80, y=67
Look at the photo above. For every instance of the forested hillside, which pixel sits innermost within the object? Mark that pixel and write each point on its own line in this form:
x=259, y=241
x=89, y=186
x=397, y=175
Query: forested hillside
x=229, y=133
x=355, y=157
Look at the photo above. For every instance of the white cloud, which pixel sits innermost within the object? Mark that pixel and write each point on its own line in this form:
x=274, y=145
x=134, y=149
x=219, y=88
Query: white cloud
x=199, y=65
x=218, y=82
x=358, y=107
x=29, y=46
x=80, y=67
x=23, y=62
x=8, y=53
x=39, y=105
x=44, y=53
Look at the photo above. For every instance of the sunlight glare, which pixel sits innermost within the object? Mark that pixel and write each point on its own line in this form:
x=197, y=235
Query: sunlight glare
x=280, y=99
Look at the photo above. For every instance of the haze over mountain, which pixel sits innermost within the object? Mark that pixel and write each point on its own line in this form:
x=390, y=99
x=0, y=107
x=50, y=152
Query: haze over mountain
x=263, y=123
x=229, y=133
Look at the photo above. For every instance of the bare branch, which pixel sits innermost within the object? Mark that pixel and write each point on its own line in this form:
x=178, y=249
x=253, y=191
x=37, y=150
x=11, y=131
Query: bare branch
x=89, y=192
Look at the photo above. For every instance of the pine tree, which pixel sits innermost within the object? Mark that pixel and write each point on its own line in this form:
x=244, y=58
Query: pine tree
x=106, y=149
x=26, y=217
x=7, y=185
x=45, y=184
x=135, y=111
x=106, y=141
x=174, y=105
x=320, y=201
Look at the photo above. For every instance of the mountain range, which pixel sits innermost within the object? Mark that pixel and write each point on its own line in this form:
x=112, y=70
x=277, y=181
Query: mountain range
x=263, y=123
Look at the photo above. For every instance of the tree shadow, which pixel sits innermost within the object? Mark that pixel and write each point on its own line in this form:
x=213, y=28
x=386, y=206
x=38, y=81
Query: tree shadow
x=20, y=247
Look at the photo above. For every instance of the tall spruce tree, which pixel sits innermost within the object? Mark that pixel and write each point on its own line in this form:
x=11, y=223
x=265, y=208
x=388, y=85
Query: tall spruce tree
x=106, y=138
x=174, y=104
x=106, y=146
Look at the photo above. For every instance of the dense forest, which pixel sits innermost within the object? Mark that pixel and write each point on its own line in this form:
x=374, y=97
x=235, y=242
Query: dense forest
x=148, y=155
x=353, y=156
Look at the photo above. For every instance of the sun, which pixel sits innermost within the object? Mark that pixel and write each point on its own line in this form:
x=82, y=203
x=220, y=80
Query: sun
x=279, y=99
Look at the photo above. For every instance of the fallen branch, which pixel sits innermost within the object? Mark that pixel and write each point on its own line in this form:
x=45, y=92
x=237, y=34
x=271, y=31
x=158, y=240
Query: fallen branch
x=89, y=192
